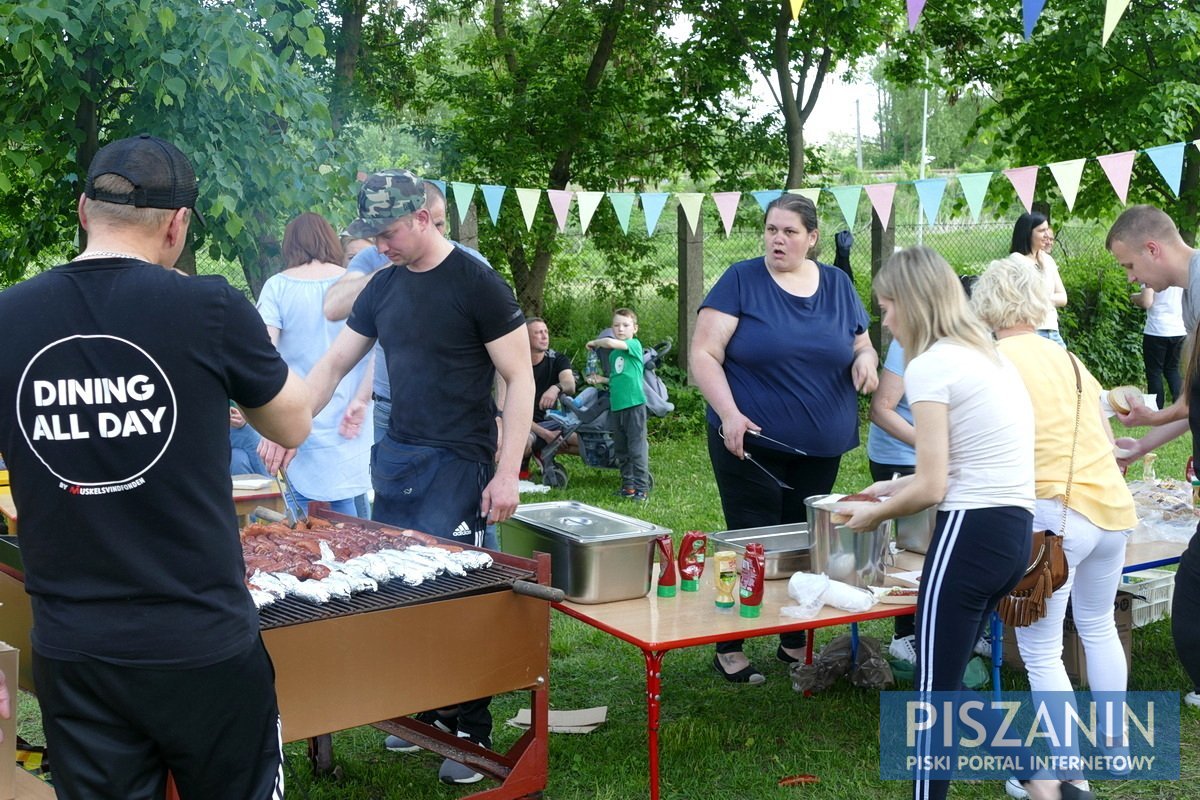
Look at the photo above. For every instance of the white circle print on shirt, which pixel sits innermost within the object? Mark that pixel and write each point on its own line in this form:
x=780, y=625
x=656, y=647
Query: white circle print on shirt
x=97, y=410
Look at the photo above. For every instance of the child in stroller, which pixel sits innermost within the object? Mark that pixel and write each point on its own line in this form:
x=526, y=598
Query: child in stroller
x=587, y=416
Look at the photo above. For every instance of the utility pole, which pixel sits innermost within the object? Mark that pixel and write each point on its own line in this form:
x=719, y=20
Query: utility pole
x=858, y=130
x=924, y=151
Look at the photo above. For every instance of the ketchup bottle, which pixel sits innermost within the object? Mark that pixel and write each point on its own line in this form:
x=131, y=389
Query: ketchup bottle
x=691, y=560
x=753, y=571
x=666, y=565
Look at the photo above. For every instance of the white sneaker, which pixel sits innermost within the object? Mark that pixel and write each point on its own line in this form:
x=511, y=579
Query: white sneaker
x=1013, y=788
x=1192, y=699
x=983, y=647
x=904, y=648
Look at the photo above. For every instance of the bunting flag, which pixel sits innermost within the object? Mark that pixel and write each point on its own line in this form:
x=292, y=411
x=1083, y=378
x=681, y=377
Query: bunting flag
x=440, y=184
x=464, y=193
x=588, y=203
x=1030, y=11
x=622, y=203
x=652, y=206
x=1068, y=174
x=1024, y=180
x=690, y=202
x=727, y=205
x=1169, y=160
x=847, y=198
x=560, y=202
x=930, y=192
x=766, y=196
x=1113, y=9
x=796, y=6
x=974, y=187
x=1118, y=167
x=493, y=196
x=528, y=198
x=880, y=195
x=915, y=7
x=813, y=193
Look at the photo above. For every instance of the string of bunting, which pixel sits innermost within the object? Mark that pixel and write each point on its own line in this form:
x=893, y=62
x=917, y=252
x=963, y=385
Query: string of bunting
x=1031, y=10
x=1117, y=167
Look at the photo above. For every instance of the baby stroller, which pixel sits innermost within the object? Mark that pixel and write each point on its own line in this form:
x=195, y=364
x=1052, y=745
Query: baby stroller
x=587, y=416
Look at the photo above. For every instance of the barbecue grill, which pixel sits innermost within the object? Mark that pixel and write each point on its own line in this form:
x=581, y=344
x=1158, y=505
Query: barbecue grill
x=377, y=657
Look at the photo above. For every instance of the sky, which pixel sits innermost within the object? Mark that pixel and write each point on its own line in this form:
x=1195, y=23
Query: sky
x=835, y=109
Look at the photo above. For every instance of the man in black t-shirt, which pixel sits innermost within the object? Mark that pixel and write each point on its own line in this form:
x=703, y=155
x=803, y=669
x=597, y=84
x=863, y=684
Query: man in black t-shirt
x=115, y=381
x=552, y=378
x=447, y=324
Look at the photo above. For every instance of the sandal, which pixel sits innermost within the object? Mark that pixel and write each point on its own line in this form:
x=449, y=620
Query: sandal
x=744, y=675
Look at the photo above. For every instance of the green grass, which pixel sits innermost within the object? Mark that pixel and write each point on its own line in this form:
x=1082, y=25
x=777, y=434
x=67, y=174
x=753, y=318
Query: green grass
x=716, y=738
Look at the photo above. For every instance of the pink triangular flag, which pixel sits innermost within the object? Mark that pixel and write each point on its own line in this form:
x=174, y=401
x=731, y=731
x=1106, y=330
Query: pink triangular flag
x=1118, y=167
x=881, y=195
x=915, y=7
x=1024, y=180
x=560, y=201
x=727, y=204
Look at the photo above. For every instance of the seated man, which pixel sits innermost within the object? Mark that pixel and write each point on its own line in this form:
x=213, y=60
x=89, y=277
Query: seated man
x=553, y=378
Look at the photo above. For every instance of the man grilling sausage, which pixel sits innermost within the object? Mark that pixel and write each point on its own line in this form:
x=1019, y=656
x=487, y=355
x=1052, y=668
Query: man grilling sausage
x=115, y=381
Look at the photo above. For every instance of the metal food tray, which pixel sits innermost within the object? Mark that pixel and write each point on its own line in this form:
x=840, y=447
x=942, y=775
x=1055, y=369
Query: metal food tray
x=787, y=547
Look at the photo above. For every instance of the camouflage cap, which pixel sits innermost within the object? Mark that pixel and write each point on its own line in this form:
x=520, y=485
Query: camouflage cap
x=384, y=198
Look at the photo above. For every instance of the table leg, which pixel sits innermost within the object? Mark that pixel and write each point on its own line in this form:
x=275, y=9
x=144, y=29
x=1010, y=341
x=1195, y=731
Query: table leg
x=653, y=703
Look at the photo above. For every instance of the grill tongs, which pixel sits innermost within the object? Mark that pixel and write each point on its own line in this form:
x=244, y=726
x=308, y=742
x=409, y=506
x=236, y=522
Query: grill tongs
x=290, y=503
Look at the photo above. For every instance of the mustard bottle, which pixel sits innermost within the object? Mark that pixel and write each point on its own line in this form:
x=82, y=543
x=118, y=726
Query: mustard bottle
x=726, y=575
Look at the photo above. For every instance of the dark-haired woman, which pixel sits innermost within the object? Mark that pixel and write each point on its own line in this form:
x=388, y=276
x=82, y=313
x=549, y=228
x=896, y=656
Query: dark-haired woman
x=779, y=351
x=1031, y=235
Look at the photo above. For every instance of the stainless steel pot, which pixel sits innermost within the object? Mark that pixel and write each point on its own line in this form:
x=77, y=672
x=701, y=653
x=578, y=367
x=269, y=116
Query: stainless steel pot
x=843, y=553
x=915, y=532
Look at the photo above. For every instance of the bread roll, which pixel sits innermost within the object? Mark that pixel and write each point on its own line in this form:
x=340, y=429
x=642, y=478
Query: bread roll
x=1124, y=398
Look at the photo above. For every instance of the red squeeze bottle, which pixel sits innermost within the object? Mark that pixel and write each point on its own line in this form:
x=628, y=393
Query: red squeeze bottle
x=750, y=591
x=691, y=560
x=666, y=565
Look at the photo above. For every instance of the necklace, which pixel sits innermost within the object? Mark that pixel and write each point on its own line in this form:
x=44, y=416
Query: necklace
x=90, y=254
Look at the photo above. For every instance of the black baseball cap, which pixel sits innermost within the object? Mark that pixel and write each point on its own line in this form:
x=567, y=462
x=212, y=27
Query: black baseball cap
x=161, y=174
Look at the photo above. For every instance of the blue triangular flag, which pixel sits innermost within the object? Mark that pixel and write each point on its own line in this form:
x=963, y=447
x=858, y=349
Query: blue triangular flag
x=652, y=206
x=440, y=184
x=493, y=196
x=931, y=191
x=765, y=196
x=1030, y=11
x=1169, y=160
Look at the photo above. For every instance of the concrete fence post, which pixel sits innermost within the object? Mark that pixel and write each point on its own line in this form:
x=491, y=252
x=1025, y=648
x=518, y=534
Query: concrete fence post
x=691, y=285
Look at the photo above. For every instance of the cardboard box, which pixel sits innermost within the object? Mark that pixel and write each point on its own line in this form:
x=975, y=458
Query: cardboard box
x=1074, y=658
x=8, y=727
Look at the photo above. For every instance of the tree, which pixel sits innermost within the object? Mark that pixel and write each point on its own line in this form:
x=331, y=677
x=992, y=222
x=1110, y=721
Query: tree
x=1062, y=96
x=577, y=92
x=219, y=79
x=793, y=58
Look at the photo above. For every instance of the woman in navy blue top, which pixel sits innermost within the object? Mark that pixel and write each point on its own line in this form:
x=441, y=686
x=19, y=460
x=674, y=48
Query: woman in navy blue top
x=779, y=351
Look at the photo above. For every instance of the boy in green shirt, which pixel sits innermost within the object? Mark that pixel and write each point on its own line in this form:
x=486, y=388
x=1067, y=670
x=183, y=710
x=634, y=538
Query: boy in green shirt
x=627, y=419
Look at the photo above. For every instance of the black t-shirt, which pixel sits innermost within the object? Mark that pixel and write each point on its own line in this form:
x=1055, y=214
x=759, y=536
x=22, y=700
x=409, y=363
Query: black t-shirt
x=546, y=375
x=120, y=375
x=433, y=327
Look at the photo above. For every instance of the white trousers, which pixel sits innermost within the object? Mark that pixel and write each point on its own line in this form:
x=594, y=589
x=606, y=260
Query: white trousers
x=1095, y=557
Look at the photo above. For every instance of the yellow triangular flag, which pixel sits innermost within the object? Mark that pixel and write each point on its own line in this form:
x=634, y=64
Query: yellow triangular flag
x=1113, y=9
x=1068, y=174
x=799, y=4
x=813, y=193
x=690, y=203
x=588, y=201
x=528, y=198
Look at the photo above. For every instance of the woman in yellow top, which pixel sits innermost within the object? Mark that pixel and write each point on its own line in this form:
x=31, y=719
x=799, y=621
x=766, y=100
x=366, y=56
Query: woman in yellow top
x=1011, y=299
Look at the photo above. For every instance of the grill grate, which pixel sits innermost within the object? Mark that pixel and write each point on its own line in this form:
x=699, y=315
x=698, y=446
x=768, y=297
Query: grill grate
x=393, y=594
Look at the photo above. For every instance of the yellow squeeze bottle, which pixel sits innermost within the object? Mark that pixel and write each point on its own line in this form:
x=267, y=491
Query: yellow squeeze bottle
x=726, y=575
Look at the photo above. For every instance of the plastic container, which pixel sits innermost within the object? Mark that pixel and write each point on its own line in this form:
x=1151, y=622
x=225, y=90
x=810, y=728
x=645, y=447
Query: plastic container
x=725, y=574
x=1152, y=590
x=593, y=362
x=691, y=560
x=750, y=584
x=666, y=565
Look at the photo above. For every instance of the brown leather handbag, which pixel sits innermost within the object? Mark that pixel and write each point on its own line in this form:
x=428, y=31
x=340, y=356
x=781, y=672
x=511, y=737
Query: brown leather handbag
x=1047, y=570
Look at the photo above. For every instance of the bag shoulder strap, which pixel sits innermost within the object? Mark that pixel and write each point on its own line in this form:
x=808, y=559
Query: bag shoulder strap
x=1074, y=440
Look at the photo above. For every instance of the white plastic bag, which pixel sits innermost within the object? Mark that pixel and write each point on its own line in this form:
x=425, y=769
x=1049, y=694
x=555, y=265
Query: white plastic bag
x=847, y=598
x=806, y=589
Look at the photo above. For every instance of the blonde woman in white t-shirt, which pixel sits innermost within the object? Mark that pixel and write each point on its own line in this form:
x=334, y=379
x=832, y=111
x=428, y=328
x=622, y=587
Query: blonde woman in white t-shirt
x=974, y=442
